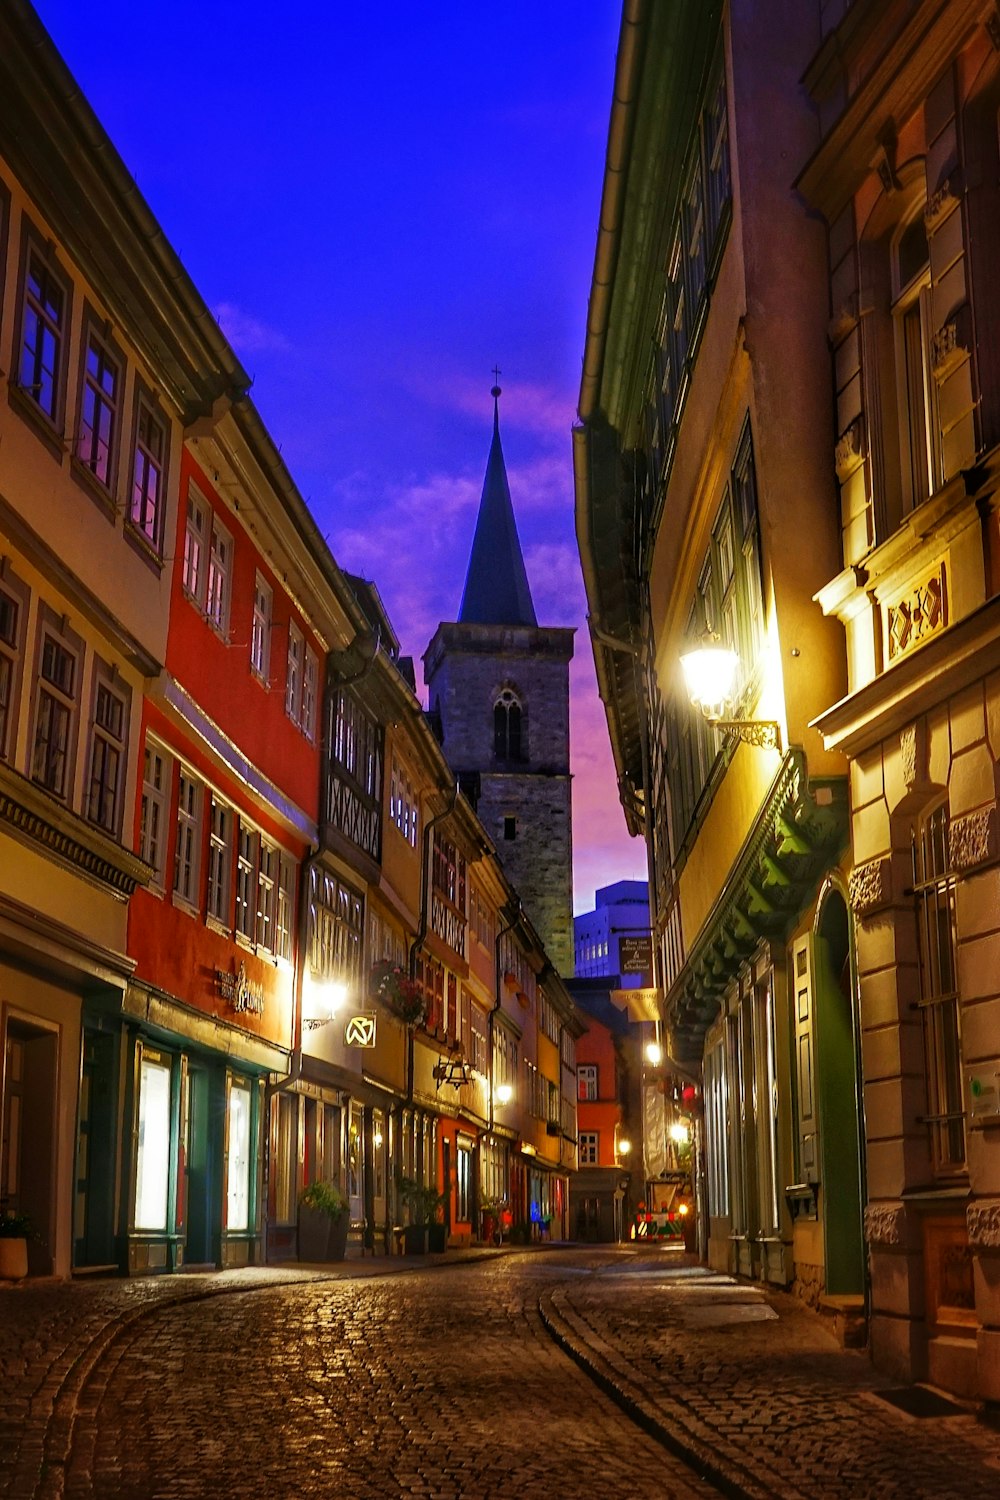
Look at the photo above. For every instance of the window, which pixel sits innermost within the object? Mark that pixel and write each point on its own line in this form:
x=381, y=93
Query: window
x=155, y=808
x=100, y=406
x=403, y=804
x=267, y=872
x=507, y=739
x=293, y=673
x=588, y=1148
x=55, y=709
x=260, y=633
x=934, y=899
x=152, y=1165
x=336, y=928
x=463, y=1181
x=220, y=564
x=285, y=912
x=510, y=829
x=44, y=323
x=916, y=390
x=196, y=533
x=310, y=681
x=108, y=733
x=13, y=612
x=147, y=501
x=186, y=855
x=586, y=1082
x=220, y=861
x=246, y=883
x=238, y=1155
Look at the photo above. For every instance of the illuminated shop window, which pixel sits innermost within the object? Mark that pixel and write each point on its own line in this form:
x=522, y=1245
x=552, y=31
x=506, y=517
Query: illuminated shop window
x=152, y=1165
x=238, y=1183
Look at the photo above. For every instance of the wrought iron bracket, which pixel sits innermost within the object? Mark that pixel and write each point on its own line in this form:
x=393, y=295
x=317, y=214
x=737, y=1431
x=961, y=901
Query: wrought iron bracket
x=763, y=734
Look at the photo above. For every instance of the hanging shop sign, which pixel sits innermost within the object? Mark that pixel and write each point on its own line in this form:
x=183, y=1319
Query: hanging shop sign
x=635, y=955
x=243, y=994
x=360, y=1029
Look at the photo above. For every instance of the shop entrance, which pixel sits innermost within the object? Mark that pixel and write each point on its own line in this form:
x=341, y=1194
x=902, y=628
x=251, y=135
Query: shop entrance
x=27, y=1144
x=93, y=1214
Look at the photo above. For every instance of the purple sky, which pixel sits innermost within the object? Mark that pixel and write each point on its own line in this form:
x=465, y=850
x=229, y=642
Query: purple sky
x=381, y=203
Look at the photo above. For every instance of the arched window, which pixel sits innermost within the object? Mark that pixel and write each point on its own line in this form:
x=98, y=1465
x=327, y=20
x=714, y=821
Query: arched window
x=507, y=736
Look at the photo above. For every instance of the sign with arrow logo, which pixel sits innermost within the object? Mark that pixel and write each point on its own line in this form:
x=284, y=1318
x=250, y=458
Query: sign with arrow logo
x=360, y=1030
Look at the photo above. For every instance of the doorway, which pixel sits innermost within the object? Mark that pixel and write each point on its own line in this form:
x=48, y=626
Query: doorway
x=27, y=1140
x=841, y=1133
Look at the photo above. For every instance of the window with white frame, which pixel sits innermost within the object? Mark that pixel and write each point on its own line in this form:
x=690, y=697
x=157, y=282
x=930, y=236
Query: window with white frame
x=403, y=804
x=310, y=684
x=13, y=613
x=284, y=921
x=194, y=572
x=219, y=582
x=260, y=632
x=246, y=882
x=187, y=852
x=155, y=810
x=108, y=734
x=267, y=879
x=588, y=1142
x=44, y=333
x=57, y=696
x=147, y=498
x=100, y=405
x=220, y=862
x=293, y=673
x=336, y=928
x=586, y=1081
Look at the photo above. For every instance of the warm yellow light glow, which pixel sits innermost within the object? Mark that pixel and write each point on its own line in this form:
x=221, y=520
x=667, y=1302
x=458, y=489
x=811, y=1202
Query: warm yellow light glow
x=654, y=1054
x=377, y=1138
x=710, y=676
x=624, y=1146
x=684, y=1209
x=323, y=998
x=504, y=1093
x=680, y=1133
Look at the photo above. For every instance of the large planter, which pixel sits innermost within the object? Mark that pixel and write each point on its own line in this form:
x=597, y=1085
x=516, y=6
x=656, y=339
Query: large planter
x=415, y=1239
x=13, y=1258
x=437, y=1239
x=322, y=1237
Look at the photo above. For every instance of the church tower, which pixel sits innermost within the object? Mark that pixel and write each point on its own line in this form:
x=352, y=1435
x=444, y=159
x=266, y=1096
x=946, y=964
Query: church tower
x=499, y=691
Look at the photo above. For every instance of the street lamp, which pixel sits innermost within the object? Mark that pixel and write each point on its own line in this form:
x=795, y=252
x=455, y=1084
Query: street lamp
x=326, y=997
x=503, y=1093
x=710, y=677
x=654, y=1054
x=680, y=1133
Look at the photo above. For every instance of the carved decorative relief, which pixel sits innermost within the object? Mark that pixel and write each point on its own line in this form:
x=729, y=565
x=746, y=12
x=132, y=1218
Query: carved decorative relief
x=884, y=1225
x=946, y=351
x=940, y=204
x=983, y=1222
x=848, y=453
x=918, y=613
x=908, y=756
x=869, y=887
x=972, y=839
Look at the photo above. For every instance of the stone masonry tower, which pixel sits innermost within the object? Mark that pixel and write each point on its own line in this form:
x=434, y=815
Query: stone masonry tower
x=499, y=690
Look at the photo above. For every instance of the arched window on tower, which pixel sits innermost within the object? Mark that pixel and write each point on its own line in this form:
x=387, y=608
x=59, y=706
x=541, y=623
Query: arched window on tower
x=508, y=739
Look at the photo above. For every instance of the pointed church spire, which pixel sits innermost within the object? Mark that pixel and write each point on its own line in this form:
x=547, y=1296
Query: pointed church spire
x=496, y=585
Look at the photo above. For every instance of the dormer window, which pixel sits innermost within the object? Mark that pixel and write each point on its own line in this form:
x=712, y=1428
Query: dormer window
x=507, y=727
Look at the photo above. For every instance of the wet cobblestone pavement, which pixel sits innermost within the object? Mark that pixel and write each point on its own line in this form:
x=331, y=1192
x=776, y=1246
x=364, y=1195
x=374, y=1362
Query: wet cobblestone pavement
x=455, y=1380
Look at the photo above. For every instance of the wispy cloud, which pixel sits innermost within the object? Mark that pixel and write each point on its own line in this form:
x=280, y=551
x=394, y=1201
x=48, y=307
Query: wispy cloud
x=247, y=334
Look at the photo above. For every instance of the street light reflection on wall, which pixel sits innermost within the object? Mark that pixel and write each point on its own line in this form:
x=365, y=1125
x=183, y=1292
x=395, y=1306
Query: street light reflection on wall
x=710, y=676
x=322, y=1000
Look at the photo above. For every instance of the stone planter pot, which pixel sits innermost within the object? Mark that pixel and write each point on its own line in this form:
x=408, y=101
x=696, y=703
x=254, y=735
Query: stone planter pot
x=437, y=1239
x=322, y=1237
x=13, y=1258
x=415, y=1239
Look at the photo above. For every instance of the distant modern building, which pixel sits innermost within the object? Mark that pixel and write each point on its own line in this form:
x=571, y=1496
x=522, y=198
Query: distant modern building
x=498, y=684
x=614, y=939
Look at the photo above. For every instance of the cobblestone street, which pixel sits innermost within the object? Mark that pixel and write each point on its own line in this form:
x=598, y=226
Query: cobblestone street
x=393, y=1378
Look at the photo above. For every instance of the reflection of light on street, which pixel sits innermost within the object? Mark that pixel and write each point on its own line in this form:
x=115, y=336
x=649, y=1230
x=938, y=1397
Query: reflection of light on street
x=654, y=1054
x=680, y=1133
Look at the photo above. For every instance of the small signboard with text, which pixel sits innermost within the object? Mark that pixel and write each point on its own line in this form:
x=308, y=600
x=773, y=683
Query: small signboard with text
x=635, y=955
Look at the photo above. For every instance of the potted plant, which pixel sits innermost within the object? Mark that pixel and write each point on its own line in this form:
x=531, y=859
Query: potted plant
x=15, y=1232
x=403, y=996
x=424, y=1231
x=324, y=1219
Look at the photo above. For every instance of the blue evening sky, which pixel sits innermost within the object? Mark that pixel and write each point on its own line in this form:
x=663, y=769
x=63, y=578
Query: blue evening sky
x=380, y=203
